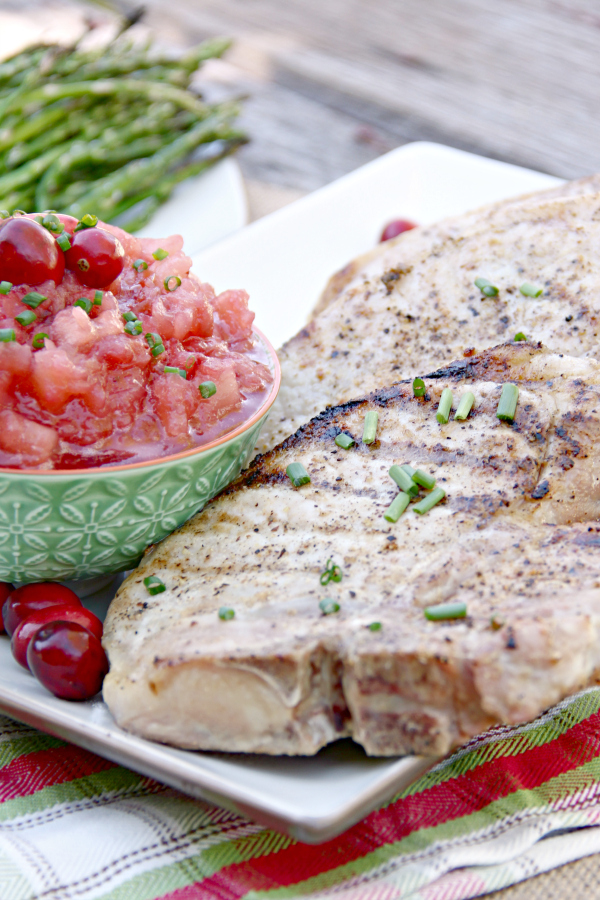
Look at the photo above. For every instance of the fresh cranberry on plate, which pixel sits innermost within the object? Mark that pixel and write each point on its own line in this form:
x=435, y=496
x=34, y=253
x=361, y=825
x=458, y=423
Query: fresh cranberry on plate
x=29, y=253
x=68, y=660
x=27, y=629
x=6, y=590
x=96, y=257
x=32, y=597
x=396, y=227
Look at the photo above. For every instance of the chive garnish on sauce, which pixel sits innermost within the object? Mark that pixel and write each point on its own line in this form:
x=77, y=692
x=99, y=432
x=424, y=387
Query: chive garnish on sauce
x=329, y=606
x=486, y=287
x=53, y=224
x=140, y=265
x=26, y=317
x=154, y=585
x=98, y=295
x=207, y=389
x=5, y=287
x=445, y=611
x=443, y=411
x=7, y=334
x=87, y=221
x=408, y=469
x=464, y=407
x=418, y=387
x=85, y=304
x=404, y=481
x=39, y=339
x=297, y=474
x=531, y=290
x=160, y=254
x=64, y=242
x=424, y=479
x=507, y=405
x=4, y=214
x=428, y=502
x=170, y=370
x=129, y=316
x=370, y=426
x=344, y=440
x=33, y=299
x=375, y=626
x=519, y=336
x=172, y=282
x=226, y=613
x=396, y=507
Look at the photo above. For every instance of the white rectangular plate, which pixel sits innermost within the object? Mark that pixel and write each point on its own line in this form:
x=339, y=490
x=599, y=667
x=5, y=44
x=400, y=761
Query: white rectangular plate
x=284, y=261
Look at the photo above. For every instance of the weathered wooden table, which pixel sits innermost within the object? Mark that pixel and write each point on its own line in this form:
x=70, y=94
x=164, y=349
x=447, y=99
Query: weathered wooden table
x=331, y=85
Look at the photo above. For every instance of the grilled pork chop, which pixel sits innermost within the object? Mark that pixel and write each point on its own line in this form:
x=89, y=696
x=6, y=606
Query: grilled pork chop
x=411, y=305
x=515, y=539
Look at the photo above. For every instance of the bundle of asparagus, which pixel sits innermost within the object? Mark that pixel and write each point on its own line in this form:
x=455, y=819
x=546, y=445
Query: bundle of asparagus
x=111, y=130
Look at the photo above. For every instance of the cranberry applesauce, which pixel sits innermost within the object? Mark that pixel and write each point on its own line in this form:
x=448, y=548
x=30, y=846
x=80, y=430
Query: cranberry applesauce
x=111, y=350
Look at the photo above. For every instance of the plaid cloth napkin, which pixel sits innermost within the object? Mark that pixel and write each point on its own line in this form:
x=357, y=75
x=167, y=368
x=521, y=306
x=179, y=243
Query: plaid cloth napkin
x=510, y=804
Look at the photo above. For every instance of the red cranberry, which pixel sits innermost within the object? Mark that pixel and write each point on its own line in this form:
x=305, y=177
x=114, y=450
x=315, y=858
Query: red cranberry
x=26, y=629
x=29, y=254
x=32, y=597
x=396, y=227
x=5, y=590
x=67, y=660
x=96, y=257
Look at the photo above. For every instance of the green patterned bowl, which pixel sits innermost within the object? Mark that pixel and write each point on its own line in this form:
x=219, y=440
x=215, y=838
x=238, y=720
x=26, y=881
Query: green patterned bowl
x=82, y=523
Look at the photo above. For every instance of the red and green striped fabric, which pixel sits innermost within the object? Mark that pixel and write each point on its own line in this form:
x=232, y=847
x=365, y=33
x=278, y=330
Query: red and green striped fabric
x=73, y=825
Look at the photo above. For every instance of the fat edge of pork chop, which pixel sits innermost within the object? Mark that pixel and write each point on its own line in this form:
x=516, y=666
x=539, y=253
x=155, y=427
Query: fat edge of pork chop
x=512, y=540
x=413, y=306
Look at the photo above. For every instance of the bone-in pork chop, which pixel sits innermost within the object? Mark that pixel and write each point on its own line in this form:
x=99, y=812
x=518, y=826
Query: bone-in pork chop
x=411, y=305
x=516, y=539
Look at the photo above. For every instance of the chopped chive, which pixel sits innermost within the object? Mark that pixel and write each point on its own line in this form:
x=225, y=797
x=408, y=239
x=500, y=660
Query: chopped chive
x=154, y=585
x=7, y=334
x=158, y=349
x=486, y=287
x=445, y=406
x=160, y=254
x=4, y=214
x=226, y=613
x=332, y=573
x=26, y=317
x=33, y=299
x=64, y=242
x=98, y=297
x=297, y=474
x=404, y=481
x=169, y=279
x=408, y=469
x=424, y=479
x=445, y=611
x=329, y=606
x=53, y=223
x=38, y=219
x=170, y=370
x=344, y=440
x=19, y=212
x=152, y=338
x=129, y=316
x=85, y=304
x=519, y=336
x=87, y=221
x=428, y=502
x=531, y=290
x=207, y=389
x=39, y=339
x=375, y=626
x=396, y=507
x=370, y=426
x=5, y=287
x=507, y=405
x=140, y=264
x=418, y=387
x=464, y=407
x=134, y=328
